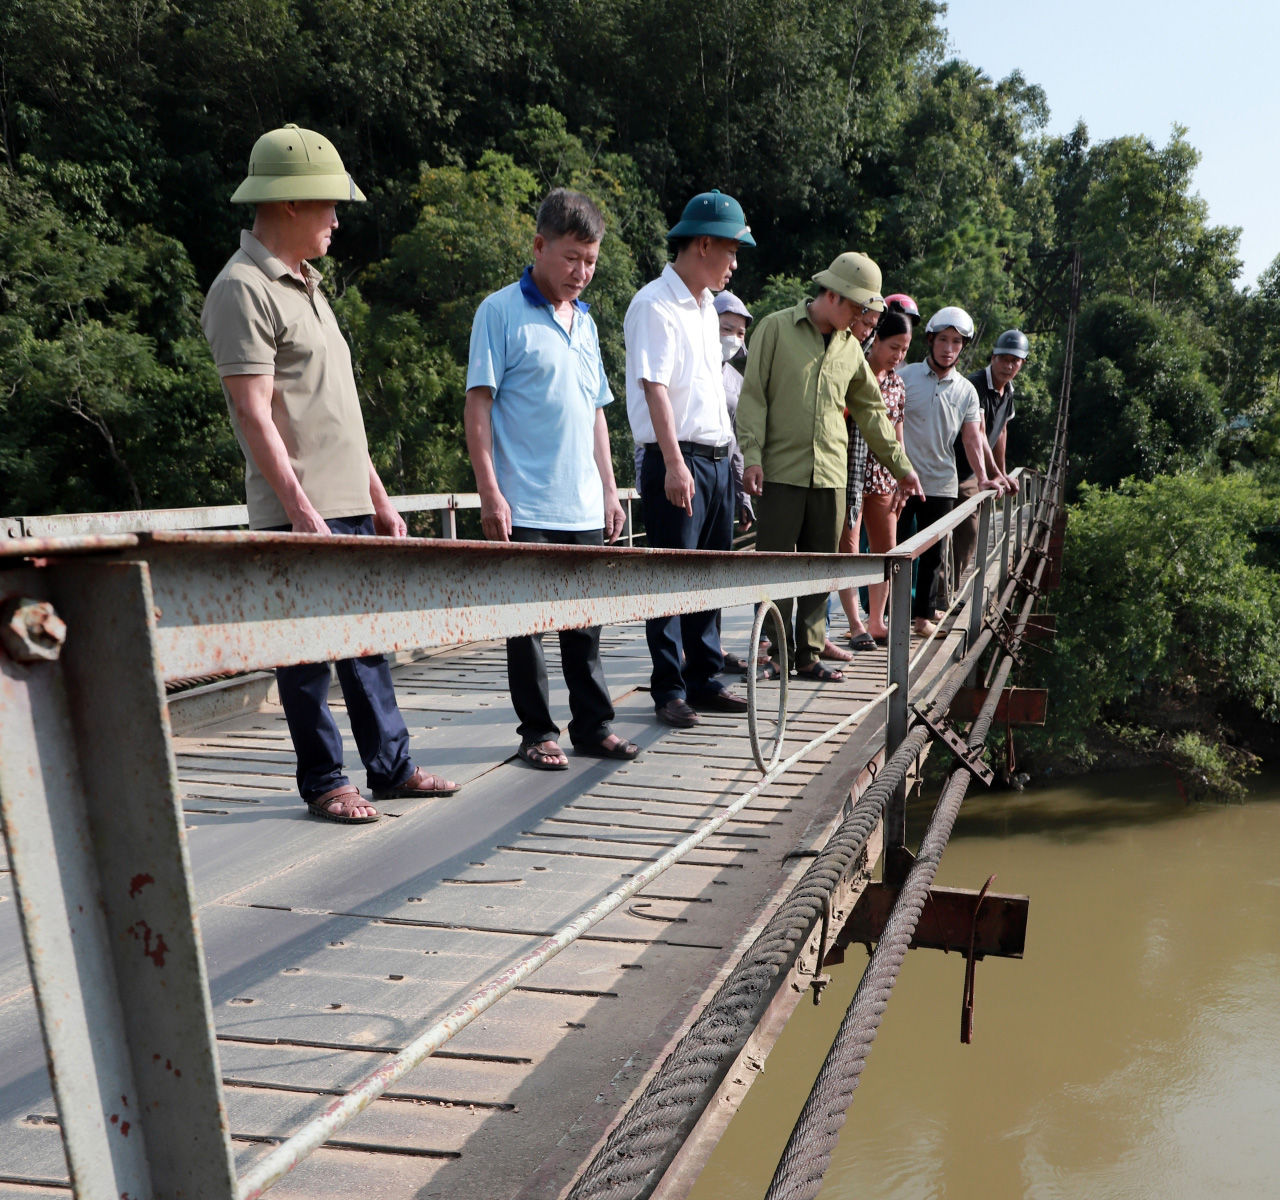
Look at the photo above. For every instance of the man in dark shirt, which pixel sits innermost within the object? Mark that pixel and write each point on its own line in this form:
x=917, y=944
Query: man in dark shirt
x=994, y=384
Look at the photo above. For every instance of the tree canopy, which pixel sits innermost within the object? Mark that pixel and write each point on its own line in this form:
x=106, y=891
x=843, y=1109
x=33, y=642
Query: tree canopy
x=125, y=127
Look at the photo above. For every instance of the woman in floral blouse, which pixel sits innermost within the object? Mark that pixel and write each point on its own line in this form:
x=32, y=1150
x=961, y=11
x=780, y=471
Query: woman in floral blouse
x=872, y=489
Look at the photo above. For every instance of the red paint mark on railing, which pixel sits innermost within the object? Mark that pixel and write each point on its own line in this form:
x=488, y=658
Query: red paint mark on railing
x=142, y=932
x=137, y=883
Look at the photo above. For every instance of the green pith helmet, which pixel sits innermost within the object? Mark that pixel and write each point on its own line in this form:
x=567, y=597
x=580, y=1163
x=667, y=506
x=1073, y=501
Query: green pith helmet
x=714, y=214
x=855, y=277
x=295, y=164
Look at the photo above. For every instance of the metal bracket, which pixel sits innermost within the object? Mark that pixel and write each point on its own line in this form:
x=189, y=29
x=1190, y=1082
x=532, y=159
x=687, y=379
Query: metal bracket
x=1005, y=637
x=955, y=743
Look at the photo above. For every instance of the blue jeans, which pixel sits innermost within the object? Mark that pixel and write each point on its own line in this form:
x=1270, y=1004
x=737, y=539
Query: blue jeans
x=693, y=636
x=376, y=723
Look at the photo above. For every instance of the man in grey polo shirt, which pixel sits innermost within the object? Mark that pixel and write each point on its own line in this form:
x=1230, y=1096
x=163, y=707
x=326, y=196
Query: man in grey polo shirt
x=940, y=405
x=286, y=373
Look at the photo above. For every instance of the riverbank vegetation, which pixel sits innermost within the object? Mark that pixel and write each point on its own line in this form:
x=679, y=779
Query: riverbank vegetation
x=124, y=129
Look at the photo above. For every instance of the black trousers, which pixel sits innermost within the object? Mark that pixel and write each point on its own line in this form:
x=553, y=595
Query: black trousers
x=686, y=649
x=917, y=514
x=590, y=706
x=376, y=723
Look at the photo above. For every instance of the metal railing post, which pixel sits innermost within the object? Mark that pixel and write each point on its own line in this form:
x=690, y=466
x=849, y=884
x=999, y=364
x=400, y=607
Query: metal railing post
x=1020, y=508
x=978, y=599
x=449, y=520
x=94, y=826
x=631, y=528
x=1007, y=512
x=895, y=816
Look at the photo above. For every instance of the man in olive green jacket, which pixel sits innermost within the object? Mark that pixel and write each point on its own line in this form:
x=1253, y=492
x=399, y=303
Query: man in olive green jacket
x=805, y=368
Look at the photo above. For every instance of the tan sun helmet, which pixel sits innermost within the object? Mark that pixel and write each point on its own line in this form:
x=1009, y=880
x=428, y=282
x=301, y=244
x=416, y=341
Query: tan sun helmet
x=295, y=164
x=855, y=277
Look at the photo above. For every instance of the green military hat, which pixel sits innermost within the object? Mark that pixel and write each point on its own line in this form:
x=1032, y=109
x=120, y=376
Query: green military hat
x=295, y=164
x=714, y=214
x=855, y=277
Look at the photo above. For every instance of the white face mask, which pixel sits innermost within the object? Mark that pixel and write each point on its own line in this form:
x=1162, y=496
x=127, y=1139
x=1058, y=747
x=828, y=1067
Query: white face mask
x=730, y=344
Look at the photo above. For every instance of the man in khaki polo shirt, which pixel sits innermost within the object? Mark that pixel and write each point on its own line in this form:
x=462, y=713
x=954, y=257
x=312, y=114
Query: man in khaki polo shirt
x=286, y=372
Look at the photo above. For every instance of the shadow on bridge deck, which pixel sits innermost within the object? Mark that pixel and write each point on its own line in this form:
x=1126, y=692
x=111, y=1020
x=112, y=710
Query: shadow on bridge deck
x=327, y=947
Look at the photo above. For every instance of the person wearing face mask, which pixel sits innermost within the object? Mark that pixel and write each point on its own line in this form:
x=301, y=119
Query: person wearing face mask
x=734, y=321
x=806, y=367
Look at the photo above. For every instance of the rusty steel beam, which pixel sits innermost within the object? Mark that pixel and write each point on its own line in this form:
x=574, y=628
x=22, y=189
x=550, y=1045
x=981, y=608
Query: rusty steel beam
x=247, y=601
x=945, y=921
x=1017, y=706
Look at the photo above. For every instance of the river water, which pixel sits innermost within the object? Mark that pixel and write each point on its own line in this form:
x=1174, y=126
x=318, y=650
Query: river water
x=1133, y=1053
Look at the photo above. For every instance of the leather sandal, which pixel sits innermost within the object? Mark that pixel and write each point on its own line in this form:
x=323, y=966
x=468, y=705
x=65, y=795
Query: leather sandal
x=621, y=749
x=419, y=786
x=543, y=760
x=349, y=797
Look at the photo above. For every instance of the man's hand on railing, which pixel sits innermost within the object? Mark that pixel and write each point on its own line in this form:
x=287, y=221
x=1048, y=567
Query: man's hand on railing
x=989, y=483
x=615, y=519
x=753, y=481
x=1011, y=484
x=495, y=516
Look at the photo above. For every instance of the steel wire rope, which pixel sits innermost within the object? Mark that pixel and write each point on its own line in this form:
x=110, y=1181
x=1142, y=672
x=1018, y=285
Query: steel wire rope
x=807, y=1155
x=288, y=1154
x=651, y=1131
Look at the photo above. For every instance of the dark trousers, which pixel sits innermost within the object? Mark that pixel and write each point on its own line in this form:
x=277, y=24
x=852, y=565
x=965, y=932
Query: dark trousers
x=589, y=701
x=691, y=636
x=918, y=514
x=376, y=723
x=808, y=520
x=964, y=537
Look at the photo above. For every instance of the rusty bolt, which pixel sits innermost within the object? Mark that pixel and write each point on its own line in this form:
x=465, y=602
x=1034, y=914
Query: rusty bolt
x=30, y=630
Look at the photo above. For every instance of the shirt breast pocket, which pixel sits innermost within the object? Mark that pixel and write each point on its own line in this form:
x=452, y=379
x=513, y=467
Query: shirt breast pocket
x=589, y=370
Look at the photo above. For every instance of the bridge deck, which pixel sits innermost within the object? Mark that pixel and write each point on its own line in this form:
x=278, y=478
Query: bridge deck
x=327, y=946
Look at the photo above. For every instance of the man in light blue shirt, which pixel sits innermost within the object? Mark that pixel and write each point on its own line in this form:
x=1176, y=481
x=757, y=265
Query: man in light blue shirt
x=536, y=432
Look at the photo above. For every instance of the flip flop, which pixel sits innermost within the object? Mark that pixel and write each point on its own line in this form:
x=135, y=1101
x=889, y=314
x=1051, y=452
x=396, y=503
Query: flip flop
x=820, y=674
x=861, y=642
x=541, y=760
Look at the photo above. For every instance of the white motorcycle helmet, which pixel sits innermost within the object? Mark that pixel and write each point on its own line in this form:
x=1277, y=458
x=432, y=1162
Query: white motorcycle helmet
x=951, y=317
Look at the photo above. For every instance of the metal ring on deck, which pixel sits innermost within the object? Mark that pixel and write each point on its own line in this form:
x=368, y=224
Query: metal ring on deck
x=763, y=609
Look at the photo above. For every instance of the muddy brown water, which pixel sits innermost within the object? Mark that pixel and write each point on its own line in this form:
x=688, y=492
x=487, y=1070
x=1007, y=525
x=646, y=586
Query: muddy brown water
x=1133, y=1053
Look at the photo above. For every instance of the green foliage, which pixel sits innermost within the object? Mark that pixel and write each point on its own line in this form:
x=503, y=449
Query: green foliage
x=1143, y=403
x=1168, y=590
x=107, y=395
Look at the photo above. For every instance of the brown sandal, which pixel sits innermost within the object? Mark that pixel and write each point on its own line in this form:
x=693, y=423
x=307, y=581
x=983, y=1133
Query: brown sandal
x=319, y=807
x=419, y=786
x=543, y=760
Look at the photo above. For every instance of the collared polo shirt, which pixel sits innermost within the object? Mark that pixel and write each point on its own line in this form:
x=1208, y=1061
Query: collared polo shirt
x=791, y=413
x=673, y=338
x=997, y=410
x=261, y=319
x=936, y=408
x=547, y=383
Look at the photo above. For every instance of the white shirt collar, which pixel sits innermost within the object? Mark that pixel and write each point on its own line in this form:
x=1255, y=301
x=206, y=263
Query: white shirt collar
x=679, y=289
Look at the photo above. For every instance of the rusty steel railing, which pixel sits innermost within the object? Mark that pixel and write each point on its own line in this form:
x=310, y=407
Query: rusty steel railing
x=106, y=900
x=231, y=516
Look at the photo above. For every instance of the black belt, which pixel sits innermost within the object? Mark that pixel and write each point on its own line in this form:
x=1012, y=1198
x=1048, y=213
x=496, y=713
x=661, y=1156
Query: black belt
x=697, y=449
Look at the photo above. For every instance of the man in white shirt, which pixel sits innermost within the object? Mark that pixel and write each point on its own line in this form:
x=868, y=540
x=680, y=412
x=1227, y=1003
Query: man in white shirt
x=941, y=408
x=678, y=412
